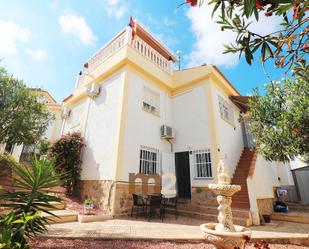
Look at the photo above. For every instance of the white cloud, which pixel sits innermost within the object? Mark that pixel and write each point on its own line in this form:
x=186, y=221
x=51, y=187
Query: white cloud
x=78, y=27
x=116, y=8
x=12, y=34
x=209, y=38
x=37, y=54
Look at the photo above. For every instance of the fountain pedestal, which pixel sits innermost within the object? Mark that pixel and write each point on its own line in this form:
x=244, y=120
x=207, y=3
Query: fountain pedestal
x=225, y=235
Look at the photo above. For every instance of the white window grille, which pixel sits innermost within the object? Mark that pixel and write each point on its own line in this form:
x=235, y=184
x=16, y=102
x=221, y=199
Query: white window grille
x=226, y=110
x=151, y=101
x=149, y=160
x=202, y=164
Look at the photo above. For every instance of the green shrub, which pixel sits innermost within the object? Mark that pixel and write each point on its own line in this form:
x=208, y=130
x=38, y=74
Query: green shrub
x=67, y=153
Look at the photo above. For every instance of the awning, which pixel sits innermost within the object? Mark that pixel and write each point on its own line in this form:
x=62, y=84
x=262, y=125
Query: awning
x=241, y=102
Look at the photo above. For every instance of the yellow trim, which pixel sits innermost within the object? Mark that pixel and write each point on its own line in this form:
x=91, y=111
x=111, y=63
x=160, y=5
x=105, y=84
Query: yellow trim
x=212, y=126
x=147, y=76
x=121, y=133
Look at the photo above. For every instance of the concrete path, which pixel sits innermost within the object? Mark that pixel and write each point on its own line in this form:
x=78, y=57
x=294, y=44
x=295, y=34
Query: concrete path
x=280, y=232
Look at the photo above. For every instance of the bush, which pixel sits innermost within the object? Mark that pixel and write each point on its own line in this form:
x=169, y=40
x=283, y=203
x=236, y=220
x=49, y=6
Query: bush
x=31, y=194
x=67, y=153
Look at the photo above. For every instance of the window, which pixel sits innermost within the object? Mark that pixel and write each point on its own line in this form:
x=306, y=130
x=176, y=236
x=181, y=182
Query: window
x=27, y=153
x=202, y=164
x=151, y=101
x=148, y=160
x=226, y=110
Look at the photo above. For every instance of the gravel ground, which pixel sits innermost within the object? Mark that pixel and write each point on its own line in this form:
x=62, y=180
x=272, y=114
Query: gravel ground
x=119, y=244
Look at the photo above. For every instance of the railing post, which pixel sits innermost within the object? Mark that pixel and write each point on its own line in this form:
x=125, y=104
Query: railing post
x=128, y=36
x=170, y=66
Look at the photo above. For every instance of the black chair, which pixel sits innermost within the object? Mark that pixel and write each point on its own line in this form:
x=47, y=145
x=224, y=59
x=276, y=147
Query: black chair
x=154, y=202
x=170, y=203
x=138, y=201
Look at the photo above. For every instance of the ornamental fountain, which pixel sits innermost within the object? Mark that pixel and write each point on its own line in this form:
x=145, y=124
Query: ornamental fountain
x=225, y=235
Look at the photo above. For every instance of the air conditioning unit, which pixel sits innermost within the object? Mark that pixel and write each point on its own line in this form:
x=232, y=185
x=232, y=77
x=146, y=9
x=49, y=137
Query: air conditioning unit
x=65, y=113
x=167, y=132
x=93, y=90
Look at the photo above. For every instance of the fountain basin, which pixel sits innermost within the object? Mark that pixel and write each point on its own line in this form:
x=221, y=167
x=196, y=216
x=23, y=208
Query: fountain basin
x=226, y=240
x=224, y=190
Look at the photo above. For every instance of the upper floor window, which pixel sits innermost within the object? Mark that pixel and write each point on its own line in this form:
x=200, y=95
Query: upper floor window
x=148, y=160
x=151, y=101
x=202, y=164
x=226, y=110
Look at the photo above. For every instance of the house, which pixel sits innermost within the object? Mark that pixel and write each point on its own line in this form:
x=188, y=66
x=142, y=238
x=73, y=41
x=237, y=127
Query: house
x=24, y=152
x=139, y=115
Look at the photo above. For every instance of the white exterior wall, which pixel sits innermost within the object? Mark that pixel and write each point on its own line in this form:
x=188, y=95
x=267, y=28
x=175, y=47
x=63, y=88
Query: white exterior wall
x=143, y=128
x=265, y=177
x=191, y=124
x=53, y=130
x=101, y=117
x=230, y=141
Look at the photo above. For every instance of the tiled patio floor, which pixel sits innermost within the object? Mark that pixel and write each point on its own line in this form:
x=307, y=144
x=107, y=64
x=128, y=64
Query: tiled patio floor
x=186, y=230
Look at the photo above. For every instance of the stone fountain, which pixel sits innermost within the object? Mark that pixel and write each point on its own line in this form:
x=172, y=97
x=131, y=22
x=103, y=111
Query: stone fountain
x=225, y=235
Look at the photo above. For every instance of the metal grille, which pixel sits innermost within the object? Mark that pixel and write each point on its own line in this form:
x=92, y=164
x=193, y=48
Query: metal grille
x=149, y=160
x=202, y=161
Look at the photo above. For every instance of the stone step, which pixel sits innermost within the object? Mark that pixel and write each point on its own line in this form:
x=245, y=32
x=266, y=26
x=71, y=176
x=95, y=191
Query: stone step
x=294, y=206
x=62, y=216
x=204, y=218
x=56, y=206
x=292, y=216
x=213, y=210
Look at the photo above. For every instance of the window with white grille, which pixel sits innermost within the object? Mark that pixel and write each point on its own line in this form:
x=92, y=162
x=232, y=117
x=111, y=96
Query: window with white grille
x=202, y=164
x=226, y=110
x=151, y=101
x=148, y=160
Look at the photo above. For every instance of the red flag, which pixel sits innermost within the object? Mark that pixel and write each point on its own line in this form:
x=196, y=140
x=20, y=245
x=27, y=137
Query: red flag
x=132, y=24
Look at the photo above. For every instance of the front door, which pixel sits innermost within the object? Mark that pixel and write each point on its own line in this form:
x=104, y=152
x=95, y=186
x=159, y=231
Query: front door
x=182, y=165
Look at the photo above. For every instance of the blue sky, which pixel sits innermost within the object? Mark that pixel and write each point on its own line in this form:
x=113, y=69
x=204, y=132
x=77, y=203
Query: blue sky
x=45, y=43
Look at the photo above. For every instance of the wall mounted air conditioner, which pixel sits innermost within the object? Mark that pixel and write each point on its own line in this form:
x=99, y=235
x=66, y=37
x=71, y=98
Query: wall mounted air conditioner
x=65, y=113
x=93, y=90
x=167, y=132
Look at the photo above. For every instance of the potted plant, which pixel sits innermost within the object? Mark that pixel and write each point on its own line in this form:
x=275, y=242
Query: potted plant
x=88, y=206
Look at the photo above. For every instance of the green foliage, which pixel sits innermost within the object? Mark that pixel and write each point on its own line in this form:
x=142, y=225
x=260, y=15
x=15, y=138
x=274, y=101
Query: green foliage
x=67, y=153
x=12, y=230
x=287, y=45
x=279, y=120
x=23, y=119
x=88, y=202
x=32, y=195
x=44, y=146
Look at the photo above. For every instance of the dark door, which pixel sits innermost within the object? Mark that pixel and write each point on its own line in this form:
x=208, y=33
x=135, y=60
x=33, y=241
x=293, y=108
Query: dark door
x=182, y=165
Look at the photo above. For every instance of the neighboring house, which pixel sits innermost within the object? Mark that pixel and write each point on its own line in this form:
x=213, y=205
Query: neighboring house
x=24, y=152
x=140, y=115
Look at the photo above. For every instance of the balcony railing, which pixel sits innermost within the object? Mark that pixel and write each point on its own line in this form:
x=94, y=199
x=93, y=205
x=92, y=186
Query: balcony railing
x=152, y=54
x=116, y=44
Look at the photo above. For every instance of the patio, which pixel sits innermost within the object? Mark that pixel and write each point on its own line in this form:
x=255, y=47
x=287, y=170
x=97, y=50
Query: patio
x=184, y=229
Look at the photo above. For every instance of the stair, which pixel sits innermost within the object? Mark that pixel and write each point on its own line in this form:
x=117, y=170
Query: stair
x=209, y=213
x=243, y=170
x=62, y=214
x=298, y=213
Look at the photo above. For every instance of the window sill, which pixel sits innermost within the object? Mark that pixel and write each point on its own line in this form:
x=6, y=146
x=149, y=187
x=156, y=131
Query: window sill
x=203, y=178
x=150, y=112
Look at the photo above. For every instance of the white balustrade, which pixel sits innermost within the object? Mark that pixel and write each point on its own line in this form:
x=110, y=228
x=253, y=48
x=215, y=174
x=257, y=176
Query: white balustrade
x=117, y=43
x=146, y=50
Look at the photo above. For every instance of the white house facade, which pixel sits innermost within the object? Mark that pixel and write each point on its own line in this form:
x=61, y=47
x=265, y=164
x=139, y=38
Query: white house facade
x=138, y=114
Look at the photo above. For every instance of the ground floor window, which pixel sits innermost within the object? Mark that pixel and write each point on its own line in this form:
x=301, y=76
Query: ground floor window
x=202, y=164
x=148, y=160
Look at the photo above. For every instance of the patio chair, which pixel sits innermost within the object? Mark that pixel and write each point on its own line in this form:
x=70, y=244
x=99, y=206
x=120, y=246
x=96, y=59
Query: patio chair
x=138, y=201
x=170, y=203
x=154, y=202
